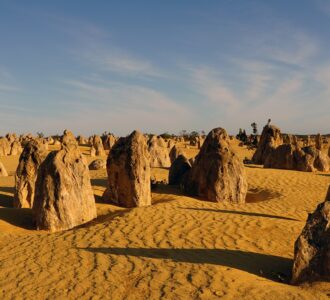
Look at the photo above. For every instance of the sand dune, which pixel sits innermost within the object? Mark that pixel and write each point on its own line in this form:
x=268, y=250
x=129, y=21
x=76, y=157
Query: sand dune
x=179, y=248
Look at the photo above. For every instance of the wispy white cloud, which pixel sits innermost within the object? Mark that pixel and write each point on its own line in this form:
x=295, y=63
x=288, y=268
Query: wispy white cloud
x=114, y=60
x=211, y=85
x=123, y=107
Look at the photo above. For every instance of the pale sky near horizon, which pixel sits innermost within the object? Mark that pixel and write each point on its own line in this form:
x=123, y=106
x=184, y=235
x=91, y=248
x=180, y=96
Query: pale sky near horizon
x=163, y=66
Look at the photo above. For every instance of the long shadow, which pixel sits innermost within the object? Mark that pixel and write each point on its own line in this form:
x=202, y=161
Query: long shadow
x=20, y=217
x=268, y=266
x=99, y=182
x=326, y=175
x=104, y=218
x=7, y=189
x=243, y=213
x=6, y=200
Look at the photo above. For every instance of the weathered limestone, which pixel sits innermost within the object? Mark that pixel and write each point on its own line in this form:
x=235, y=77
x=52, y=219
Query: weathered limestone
x=3, y=171
x=108, y=141
x=64, y=196
x=270, y=140
x=5, y=147
x=98, y=164
x=217, y=173
x=128, y=168
x=33, y=155
x=175, y=152
x=312, y=248
x=178, y=170
x=159, y=156
x=98, y=145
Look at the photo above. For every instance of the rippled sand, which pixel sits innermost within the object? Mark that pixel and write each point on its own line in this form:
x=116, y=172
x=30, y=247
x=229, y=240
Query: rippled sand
x=179, y=248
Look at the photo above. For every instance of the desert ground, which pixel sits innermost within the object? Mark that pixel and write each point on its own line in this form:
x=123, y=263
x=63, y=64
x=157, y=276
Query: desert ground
x=178, y=248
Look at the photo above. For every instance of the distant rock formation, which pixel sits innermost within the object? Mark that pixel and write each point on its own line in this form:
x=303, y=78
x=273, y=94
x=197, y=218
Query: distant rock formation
x=291, y=157
x=159, y=155
x=98, y=164
x=175, y=152
x=128, y=168
x=108, y=141
x=312, y=248
x=5, y=147
x=270, y=139
x=217, y=173
x=98, y=146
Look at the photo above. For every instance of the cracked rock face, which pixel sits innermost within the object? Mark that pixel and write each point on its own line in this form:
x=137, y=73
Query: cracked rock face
x=217, y=173
x=128, y=168
x=312, y=248
x=33, y=155
x=64, y=197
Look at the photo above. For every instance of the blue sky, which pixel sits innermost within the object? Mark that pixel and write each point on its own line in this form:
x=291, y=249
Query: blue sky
x=159, y=66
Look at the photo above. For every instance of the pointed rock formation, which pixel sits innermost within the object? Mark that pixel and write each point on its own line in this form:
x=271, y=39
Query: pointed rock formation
x=33, y=155
x=270, y=139
x=175, y=152
x=64, y=196
x=98, y=146
x=5, y=147
x=217, y=173
x=128, y=168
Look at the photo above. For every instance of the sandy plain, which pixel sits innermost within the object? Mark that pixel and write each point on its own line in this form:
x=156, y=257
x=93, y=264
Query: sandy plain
x=178, y=248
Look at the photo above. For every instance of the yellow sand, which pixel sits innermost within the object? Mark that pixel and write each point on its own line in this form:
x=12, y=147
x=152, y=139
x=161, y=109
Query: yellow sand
x=179, y=248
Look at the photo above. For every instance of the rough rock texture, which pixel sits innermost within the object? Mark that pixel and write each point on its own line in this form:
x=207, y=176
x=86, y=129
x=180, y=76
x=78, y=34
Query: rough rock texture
x=64, y=197
x=33, y=155
x=82, y=140
x=291, y=157
x=159, y=156
x=175, y=152
x=3, y=171
x=312, y=248
x=98, y=145
x=98, y=164
x=322, y=162
x=178, y=170
x=5, y=147
x=16, y=148
x=287, y=138
x=108, y=141
x=128, y=168
x=68, y=139
x=318, y=142
x=270, y=140
x=217, y=173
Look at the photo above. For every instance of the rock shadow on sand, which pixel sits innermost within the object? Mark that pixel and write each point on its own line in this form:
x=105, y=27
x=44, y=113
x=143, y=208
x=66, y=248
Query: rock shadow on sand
x=259, y=195
x=243, y=213
x=19, y=217
x=272, y=267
